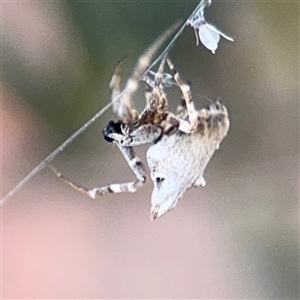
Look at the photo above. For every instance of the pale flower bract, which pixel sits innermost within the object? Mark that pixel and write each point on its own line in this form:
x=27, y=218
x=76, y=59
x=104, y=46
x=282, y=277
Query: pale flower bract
x=208, y=34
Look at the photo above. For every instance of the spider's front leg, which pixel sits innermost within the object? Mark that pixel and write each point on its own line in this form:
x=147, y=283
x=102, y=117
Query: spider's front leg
x=134, y=163
x=137, y=167
x=119, y=134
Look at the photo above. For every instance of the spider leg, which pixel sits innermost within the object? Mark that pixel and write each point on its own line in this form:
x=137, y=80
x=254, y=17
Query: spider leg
x=121, y=105
x=181, y=109
x=191, y=125
x=158, y=77
x=135, y=164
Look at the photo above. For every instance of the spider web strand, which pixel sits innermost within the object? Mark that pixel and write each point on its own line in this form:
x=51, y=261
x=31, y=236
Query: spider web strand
x=49, y=158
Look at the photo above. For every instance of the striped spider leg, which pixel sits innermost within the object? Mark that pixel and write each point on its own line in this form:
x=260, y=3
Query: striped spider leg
x=117, y=132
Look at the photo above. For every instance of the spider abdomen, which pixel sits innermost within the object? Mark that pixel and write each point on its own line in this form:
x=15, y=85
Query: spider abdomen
x=181, y=158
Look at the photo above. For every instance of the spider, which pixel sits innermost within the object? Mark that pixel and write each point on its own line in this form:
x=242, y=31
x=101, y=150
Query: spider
x=181, y=144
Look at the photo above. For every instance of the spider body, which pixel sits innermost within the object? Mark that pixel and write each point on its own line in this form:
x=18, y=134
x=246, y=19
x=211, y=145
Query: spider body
x=176, y=159
x=181, y=144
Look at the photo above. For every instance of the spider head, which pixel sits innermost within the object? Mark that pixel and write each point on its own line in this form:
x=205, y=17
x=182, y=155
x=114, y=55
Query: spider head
x=111, y=128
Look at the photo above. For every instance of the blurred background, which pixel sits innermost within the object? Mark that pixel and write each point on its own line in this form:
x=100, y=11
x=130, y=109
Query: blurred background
x=237, y=238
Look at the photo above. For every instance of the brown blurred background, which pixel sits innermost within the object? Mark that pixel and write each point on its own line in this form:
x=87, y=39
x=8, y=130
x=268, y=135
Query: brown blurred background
x=237, y=238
